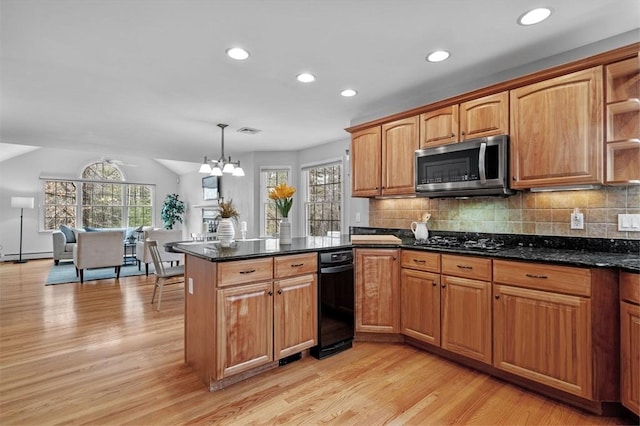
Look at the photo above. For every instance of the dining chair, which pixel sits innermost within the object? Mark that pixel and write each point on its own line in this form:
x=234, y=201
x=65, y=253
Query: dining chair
x=162, y=274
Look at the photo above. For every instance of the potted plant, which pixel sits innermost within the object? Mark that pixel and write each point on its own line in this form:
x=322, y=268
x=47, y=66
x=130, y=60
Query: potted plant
x=227, y=213
x=172, y=211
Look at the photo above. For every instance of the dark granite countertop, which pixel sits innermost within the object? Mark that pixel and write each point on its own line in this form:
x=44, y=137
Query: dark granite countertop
x=242, y=250
x=585, y=252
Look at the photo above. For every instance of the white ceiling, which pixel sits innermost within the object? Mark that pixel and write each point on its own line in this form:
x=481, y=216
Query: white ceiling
x=150, y=77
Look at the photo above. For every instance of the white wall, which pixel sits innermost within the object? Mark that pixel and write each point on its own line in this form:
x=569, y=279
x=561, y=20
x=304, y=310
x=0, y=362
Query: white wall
x=20, y=176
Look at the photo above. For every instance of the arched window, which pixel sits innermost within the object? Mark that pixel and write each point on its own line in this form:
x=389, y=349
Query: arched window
x=100, y=199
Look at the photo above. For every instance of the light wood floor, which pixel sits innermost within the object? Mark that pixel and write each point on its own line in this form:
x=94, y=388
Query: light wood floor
x=100, y=354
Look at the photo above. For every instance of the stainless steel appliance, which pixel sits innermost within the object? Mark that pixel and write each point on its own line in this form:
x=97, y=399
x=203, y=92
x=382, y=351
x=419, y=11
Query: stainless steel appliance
x=477, y=167
x=336, y=321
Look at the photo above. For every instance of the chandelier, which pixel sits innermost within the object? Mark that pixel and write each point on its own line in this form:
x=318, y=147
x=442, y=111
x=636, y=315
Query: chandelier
x=221, y=166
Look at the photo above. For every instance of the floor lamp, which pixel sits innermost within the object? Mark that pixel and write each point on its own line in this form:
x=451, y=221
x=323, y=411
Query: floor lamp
x=22, y=203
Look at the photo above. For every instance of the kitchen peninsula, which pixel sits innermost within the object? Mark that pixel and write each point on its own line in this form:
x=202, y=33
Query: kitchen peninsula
x=576, y=278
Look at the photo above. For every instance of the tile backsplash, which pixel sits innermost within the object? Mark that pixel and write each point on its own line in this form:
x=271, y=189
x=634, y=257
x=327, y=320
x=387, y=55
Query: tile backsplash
x=542, y=213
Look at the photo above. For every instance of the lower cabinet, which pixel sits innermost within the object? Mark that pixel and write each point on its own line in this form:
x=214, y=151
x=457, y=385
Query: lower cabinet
x=543, y=336
x=295, y=315
x=466, y=306
x=244, y=328
x=420, y=314
x=377, y=290
x=630, y=341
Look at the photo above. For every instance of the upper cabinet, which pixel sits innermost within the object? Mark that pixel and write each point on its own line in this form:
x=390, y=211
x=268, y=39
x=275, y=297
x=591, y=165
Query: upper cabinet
x=556, y=131
x=383, y=159
x=366, y=154
x=485, y=116
x=623, y=121
x=399, y=143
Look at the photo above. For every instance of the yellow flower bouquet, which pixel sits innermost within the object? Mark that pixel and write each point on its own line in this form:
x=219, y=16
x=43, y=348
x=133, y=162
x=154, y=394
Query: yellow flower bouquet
x=282, y=194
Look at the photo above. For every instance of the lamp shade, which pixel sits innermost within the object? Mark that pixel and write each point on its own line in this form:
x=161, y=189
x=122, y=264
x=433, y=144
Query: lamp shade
x=22, y=202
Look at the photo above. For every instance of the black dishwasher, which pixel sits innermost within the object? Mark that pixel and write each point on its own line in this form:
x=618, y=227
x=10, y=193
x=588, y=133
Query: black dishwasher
x=335, y=303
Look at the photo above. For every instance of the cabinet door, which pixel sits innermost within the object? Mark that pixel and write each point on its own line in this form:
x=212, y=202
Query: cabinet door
x=557, y=131
x=630, y=356
x=486, y=116
x=420, y=313
x=245, y=328
x=366, y=153
x=377, y=291
x=295, y=315
x=439, y=127
x=544, y=337
x=466, y=317
x=399, y=143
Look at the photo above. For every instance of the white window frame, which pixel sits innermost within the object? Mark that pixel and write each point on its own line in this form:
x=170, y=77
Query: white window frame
x=304, y=171
x=264, y=197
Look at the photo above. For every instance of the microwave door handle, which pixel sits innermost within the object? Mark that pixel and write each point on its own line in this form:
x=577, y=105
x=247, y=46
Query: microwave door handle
x=481, y=160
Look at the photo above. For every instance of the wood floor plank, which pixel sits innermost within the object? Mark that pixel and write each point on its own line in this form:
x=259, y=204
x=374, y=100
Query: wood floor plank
x=100, y=354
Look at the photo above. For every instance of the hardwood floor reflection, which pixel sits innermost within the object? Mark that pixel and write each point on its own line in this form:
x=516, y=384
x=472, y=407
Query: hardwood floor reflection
x=100, y=354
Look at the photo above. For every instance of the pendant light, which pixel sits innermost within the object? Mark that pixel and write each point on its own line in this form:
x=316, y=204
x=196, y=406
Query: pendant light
x=222, y=166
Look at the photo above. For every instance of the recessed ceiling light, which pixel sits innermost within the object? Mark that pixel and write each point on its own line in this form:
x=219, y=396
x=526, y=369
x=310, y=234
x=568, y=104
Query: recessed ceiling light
x=534, y=16
x=237, y=53
x=347, y=93
x=438, y=56
x=305, y=77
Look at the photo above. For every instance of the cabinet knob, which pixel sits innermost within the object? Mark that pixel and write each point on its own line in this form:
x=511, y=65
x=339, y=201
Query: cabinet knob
x=497, y=296
x=453, y=135
x=433, y=283
x=443, y=285
x=462, y=133
x=279, y=291
x=514, y=178
x=270, y=293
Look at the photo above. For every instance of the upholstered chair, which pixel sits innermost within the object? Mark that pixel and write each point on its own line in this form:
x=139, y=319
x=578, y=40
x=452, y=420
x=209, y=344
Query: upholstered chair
x=161, y=236
x=98, y=250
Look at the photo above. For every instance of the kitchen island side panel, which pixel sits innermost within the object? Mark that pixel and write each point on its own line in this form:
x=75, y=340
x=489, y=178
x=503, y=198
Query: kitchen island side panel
x=199, y=317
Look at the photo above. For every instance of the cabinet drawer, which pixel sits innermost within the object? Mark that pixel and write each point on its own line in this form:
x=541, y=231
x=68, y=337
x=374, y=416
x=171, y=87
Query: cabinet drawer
x=420, y=260
x=244, y=271
x=560, y=279
x=300, y=264
x=630, y=287
x=477, y=268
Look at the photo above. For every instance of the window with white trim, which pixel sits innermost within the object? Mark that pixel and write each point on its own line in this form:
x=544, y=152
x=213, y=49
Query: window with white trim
x=323, y=199
x=100, y=199
x=269, y=178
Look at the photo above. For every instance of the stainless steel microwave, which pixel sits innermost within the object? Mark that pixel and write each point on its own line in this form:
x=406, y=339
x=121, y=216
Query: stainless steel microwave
x=476, y=167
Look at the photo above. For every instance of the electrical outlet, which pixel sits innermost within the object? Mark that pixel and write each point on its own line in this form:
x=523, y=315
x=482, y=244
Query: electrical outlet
x=577, y=220
x=357, y=217
x=190, y=285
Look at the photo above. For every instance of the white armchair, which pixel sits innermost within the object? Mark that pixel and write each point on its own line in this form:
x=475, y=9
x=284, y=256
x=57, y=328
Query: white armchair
x=98, y=250
x=162, y=236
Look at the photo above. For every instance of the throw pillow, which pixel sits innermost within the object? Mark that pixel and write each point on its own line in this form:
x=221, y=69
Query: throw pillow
x=68, y=233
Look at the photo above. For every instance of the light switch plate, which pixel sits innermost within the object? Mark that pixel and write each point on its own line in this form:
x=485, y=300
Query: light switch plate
x=629, y=222
x=190, y=285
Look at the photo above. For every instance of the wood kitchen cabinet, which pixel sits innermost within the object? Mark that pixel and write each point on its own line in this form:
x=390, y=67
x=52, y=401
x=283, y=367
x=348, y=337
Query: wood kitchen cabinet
x=366, y=162
x=466, y=306
x=622, y=148
x=242, y=316
x=377, y=290
x=420, y=294
x=485, y=116
x=556, y=131
x=553, y=325
x=630, y=341
x=383, y=159
x=295, y=318
x=244, y=328
x=399, y=143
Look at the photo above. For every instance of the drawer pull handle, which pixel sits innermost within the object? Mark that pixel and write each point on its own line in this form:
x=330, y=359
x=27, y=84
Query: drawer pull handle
x=296, y=265
x=250, y=271
x=464, y=267
x=543, y=277
x=419, y=261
